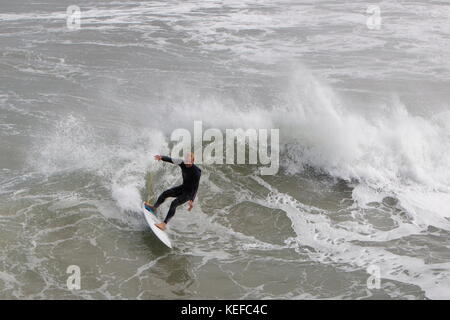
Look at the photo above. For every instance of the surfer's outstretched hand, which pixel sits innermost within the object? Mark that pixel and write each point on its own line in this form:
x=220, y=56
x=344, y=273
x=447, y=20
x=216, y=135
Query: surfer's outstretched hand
x=190, y=205
x=158, y=157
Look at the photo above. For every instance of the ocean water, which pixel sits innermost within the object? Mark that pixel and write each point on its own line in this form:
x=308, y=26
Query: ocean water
x=364, y=120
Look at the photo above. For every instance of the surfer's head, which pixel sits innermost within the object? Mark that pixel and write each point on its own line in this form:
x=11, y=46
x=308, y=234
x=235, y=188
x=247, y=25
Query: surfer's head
x=189, y=159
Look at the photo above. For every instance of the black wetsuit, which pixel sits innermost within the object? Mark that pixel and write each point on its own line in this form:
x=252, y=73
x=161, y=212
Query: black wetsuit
x=187, y=191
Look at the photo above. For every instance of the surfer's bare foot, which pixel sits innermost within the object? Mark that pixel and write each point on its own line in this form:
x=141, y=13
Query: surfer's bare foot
x=161, y=226
x=150, y=206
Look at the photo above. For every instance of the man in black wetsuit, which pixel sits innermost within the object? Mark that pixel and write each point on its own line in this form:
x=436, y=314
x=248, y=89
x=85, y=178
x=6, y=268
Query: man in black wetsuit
x=185, y=192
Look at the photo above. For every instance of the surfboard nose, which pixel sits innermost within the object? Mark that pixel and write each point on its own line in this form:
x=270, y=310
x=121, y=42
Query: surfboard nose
x=152, y=221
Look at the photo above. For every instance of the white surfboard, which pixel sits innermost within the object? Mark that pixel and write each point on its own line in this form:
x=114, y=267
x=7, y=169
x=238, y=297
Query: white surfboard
x=151, y=220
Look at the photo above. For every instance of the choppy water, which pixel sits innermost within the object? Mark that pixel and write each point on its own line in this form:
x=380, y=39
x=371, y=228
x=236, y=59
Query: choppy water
x=365, y=131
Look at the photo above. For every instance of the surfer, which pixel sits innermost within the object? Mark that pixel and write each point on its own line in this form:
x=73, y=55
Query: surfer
x=183, y=193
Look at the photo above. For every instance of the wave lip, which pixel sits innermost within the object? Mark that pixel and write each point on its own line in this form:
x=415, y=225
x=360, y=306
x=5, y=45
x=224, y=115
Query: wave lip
x=390, y=151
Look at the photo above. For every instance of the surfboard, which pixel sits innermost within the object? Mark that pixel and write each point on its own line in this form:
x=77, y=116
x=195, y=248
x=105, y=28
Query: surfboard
x=151, y=219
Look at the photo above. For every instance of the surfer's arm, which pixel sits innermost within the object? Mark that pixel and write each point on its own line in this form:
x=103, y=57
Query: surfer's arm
x=170, y=160
x=166, y=159
x=195, y=188
x=194, y=194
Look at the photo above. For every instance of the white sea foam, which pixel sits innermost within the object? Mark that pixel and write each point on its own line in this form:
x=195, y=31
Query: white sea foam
x=335, y=243
x=391, y=153
x=72, y=146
